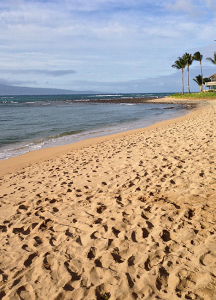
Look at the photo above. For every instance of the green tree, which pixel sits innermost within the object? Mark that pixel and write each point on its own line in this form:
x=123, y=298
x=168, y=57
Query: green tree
x=188, y=61
x=198, y=79
x=212, y=60
x=180, y=65
x=206, y=79
x=198, y=57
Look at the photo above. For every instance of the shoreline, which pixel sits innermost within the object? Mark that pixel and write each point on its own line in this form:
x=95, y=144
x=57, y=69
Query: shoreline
x=56, y=136
x=125, y=217
x=15, y=163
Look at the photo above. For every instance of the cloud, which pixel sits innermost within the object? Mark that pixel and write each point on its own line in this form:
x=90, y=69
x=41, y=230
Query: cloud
x=45, y=41
x=17, y=82
x=211, y=4
x=160, y=84
x=186, y=6
x=194, y=8
x=55, y=73
x=107, y=5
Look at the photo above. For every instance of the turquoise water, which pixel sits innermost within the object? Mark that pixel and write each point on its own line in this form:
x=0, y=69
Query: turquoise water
x=34, y=122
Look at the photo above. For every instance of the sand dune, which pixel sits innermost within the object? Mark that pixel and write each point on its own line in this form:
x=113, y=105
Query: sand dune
x=128, y=218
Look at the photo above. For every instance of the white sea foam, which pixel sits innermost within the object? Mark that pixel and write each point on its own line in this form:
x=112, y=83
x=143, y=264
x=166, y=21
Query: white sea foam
x=107, y=95
x=30, y=127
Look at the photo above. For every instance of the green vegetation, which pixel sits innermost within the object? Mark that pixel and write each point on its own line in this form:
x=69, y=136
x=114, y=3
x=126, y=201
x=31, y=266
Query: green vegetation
x=180, y=64
x=106, y=296
x=198, y=57
x=199, y=96
x=187, y=60
x=212, y=60
x=198, y=79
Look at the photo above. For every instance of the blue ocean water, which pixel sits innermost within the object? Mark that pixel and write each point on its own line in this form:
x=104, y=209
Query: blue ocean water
x=34, y=122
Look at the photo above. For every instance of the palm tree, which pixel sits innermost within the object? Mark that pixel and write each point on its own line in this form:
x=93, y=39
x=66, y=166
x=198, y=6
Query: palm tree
x=180, y=65
x=206, y=79
x=198, y=57
x=212, y=60
x=199, y=80
x=188, y=61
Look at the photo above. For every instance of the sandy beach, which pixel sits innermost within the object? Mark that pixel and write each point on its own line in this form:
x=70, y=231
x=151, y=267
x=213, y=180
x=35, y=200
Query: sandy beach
x=128, y=216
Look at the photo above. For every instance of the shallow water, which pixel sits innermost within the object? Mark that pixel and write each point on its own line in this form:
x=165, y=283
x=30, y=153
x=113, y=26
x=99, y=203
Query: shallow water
x=35, y=122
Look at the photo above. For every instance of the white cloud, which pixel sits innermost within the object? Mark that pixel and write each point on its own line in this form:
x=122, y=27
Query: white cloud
x=104, y=40
x=186, y=6
x=17, y=82
x=55, y=73
x=158, y=84
x=211, y=4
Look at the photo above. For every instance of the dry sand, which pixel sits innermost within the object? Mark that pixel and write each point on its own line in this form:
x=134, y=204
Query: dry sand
x=130, y=217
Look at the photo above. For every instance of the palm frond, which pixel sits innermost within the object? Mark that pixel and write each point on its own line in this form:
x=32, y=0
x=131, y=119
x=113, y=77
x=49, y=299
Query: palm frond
x=197, y=56
x=198, y=80
x=212, y=60
x=188, y=58
x=179, y=64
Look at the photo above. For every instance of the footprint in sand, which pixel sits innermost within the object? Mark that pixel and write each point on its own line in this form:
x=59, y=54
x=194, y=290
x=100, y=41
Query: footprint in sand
x=154, y=259
x=209, y=260
x=26, y=292
x=29, y=260
x=92, y=253
x=162, y=279
x=101, y=208
x=3, y=228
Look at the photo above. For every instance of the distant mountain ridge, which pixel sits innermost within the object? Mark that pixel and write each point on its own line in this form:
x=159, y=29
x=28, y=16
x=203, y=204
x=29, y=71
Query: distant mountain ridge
x=10, y=90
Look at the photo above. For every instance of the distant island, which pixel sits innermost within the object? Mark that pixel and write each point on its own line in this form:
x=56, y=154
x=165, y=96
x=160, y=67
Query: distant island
x=10, y=90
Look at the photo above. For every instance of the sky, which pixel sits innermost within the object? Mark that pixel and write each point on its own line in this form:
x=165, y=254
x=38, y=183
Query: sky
x=112, y=46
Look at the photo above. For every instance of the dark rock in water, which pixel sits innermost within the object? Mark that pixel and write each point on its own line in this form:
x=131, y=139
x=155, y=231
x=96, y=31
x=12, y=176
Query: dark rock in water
x=170, y=107
x=123, y=100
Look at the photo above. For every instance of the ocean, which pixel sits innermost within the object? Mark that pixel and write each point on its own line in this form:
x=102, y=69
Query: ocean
x=34, y=122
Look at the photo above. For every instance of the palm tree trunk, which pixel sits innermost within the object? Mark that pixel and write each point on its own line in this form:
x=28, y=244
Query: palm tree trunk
x=201, y=74
x=182, y=81
x=188, y=79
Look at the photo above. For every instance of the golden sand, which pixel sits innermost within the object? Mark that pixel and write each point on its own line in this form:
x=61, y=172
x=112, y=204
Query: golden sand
x=128, y=216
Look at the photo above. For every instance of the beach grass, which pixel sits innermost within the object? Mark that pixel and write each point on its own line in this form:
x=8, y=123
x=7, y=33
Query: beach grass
x=195, y=96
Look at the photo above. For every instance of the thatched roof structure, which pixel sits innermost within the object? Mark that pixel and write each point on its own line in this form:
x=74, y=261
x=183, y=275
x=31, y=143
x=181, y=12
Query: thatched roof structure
x=212, y=83
x=213, y=77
